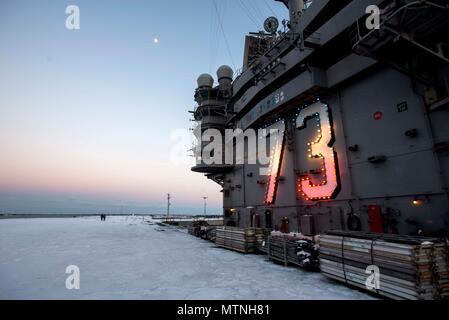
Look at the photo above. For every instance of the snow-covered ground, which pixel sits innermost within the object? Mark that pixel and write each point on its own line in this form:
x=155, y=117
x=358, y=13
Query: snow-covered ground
x=126, y=258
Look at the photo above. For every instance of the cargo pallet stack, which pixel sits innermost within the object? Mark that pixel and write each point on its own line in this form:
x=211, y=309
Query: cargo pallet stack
x=242, y=240
x=202, y=231
x=208, y=233
x=289, y=249
x=194, y=230
x=412, y=268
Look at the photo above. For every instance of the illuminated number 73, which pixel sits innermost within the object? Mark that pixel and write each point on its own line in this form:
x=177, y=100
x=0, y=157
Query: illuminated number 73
x=320, y=148
x=277, y=139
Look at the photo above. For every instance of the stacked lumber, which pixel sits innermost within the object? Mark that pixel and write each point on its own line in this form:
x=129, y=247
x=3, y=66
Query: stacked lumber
x=208, y=233
x=292, y=249
x=244, y=240
x=261, y=238
x=412, y=268
x=197, y=228
x=202, y=231
x=194, y=230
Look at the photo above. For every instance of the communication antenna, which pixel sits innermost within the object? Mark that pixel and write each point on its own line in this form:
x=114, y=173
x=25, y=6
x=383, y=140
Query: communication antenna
x=271, y=25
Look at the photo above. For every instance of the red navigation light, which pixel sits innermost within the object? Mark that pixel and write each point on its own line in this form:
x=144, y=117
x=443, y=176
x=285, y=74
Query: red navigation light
x=377, y=115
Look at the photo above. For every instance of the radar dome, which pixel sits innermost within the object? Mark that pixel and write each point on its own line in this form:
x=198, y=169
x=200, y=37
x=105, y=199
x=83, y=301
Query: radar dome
x=225, y=72
x=205, y=80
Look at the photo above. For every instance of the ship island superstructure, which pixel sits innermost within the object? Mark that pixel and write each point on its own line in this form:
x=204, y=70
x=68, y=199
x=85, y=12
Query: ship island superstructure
x=360, y=114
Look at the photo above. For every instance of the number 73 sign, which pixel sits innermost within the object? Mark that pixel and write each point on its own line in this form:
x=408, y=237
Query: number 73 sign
x=325, y=183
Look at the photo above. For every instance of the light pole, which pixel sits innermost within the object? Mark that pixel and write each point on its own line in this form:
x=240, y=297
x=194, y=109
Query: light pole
x=168, y=204
x=205, y=204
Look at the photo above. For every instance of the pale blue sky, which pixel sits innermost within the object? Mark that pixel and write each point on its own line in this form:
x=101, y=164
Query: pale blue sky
x=86, y=115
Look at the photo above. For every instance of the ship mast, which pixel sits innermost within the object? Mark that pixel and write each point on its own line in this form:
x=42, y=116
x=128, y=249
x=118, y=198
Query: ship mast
x=295, y=7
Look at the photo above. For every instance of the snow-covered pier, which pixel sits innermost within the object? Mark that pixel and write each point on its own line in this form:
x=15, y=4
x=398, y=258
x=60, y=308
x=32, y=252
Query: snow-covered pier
x=129, y=258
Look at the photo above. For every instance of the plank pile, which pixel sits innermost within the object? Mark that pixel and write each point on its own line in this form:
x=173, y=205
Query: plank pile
x=244, y=240
x=414, y=268
x=194, y=230
x=261, y=237
x=208, y=233
x=292, y=249
x=202, y=231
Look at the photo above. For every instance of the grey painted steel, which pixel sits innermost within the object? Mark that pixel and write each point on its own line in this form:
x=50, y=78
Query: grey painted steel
x=377, y=111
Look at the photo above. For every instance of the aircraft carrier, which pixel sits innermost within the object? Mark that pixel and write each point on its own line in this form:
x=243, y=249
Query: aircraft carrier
x=355, y=95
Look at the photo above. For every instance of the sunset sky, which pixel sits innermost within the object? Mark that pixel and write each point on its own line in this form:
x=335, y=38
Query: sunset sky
x=87, y=116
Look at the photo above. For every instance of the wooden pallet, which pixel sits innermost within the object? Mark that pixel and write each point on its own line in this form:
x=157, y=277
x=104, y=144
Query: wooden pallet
x=410, y=267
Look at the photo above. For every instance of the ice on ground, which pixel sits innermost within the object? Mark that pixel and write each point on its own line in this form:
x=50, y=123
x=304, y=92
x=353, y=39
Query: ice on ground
x=127, y=258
